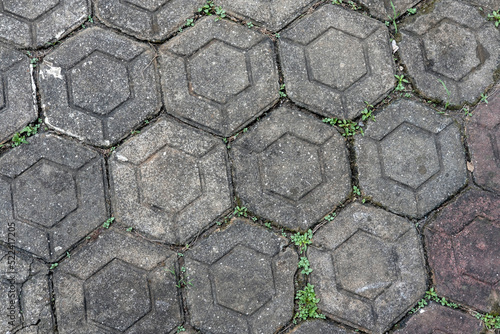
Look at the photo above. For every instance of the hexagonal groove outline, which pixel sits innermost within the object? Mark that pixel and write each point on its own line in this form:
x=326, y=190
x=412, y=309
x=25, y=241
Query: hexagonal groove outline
x=427, y=64
x=46, y=11
x=66, y=169
x=310, y=74
x=69, y=84
x=353, y=293
x=148, y=10
x=214, y=288
x=132, y=268
x=438, y=148
x=275, y=193
x=192, y=91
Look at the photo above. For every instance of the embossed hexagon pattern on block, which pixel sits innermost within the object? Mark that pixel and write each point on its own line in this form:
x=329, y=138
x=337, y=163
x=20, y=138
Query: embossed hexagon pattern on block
x=117, y=283
x=170, y=181
x=454, y=45
x=244, y=277
x=318, y=327
x=333, y=60
x=17, y=108
x=24, y=290
x=463, y=250
x=411, y=160
x=383, y=10
x=148, y=20
x=33, y=24
x=483, y=137
x=218, y=76
x=53, y=191
x=368, y=299
x=98, y=85
x=273, y=15
x=291, y=168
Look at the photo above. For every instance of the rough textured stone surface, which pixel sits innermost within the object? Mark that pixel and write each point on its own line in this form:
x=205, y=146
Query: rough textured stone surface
x=437, y=319
x=170, y=181
x=488, y=5
x=484, y=142
x=98, y=85
x=291, y=168
x=151, y=20
x=334, y=59
x=24, y=293
x=454, y=44
x=273, y=15
x=33, y=24
x=382, y=9
x=411, y=159
x=53, y=190
x=218, y=75
x=368, y=267
x=318, y=327
x=242, y=281
x=464, y=253
x=117, y=283
x=17, y=108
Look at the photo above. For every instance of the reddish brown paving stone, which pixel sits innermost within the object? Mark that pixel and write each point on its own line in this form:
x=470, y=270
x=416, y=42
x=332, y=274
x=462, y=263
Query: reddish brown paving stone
x=484, y=142
x=464, y=252
x=437, y=319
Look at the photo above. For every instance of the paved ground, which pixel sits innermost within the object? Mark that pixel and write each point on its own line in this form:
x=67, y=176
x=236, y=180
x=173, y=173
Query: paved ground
x=240, y=167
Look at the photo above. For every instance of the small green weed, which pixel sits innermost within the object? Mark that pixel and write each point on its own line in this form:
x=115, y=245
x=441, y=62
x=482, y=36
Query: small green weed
x=356, y=191
x=330, y=217
x=401, y=81
x=240, y=211
x=302, y=240
x=28, y=131
x=412, y=11
x=495, y=16
x=68, y=255
x=130, y=229
x=282, y=91
x=432, y=295
x=250, y=24
x=207, y=8
x=484, y=98
x=221, y=13
x=336, y=2
x=307, y=304
x=366, y=113
x=180, y=329
x=393, y=18
x=353, y=5
x=350, y=127
x=490, y=321
x=108, y=222
x=304, y=263
x=447, y=93
x=466, y=111
x=268, y=225
x=277, y=35
x=53, y=266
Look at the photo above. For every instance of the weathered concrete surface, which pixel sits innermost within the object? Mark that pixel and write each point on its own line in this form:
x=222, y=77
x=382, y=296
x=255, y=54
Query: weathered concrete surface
x=116, y=282
x=218, y=75
x=33, y=24
x=52, y=189
x=318, y=327
x=464, y=252
x=242, y=281
x=291, y=168
x=441, y=320
x=368, y=267
x=483, y=137
x=152, y=20
x=24, y=292
x=171, y=181
x=17, y=108
x=334, y=60
x=382, y=9
x=452, y=44
x=98, y=86
x=411, y=159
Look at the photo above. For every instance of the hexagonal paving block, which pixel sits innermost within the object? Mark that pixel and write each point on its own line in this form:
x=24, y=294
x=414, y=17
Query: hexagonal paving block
x=488, y=5
x=218, y=75
x=273, y=15
x=117, y=284
x=437, y=319
x=170, y=181
x=464, y=252
x=98, y=85
x=53, y=190
x=368, y=267
x=291, y=168
x=334, y=59
x=452, y=44
x=318, y=327
x=483, y=137
x=33, y=24
x=24, y=291
x=242, y=281
x=152, y=20
x=17, y=108
x=383, y=10
x=411, y=160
